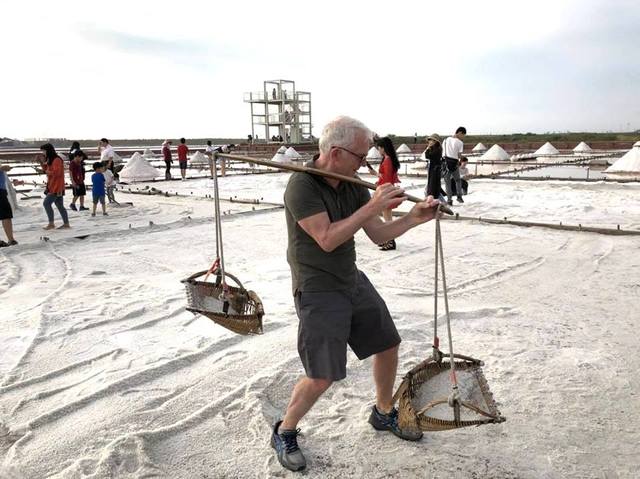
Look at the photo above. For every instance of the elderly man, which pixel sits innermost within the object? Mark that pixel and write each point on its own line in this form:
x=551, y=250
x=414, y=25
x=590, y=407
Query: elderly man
x=335, y=302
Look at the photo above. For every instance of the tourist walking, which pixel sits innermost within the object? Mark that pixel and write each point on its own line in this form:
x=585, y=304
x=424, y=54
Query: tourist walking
x=76, y=173
x=98, y=188
x=53, y=166
x=433, y=154
x=110, y=185
x=107, y=156
x=6, y=212
x=336, y=304
x=210, y=151
x=463, y=170
x=387, y=174
x=183, y=151
x=452, y=151
x=166, y=154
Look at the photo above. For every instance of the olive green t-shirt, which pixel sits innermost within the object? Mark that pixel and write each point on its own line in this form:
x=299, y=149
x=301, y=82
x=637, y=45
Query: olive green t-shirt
x=313, y=269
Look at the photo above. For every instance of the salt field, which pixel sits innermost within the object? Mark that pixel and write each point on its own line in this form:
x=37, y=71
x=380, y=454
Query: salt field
x=105, y=374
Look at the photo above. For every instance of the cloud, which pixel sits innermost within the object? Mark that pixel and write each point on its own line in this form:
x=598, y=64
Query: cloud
x=198, y=53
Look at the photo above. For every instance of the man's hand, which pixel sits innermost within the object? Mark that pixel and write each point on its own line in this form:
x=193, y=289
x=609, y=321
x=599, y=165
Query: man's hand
x=386, y=197
x=425, y=210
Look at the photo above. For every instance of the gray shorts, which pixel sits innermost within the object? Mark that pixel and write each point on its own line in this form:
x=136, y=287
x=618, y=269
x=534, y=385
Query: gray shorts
x=329, y=320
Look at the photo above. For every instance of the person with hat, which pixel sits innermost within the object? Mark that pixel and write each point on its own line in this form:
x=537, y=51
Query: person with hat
x=433, y=154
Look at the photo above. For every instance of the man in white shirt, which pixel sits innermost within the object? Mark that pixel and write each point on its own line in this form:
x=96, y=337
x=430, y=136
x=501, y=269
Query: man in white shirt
x=106, y=151
x=451, y=152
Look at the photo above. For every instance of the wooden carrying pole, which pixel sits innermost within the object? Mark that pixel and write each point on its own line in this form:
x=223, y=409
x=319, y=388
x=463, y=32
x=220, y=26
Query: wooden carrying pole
x=315, y=171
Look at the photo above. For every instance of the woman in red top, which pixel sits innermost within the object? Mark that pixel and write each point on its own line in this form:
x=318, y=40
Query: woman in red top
x=387, y=173
x=54, y=168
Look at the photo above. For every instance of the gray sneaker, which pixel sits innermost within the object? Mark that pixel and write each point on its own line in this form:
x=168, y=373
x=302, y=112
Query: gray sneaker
x=389, y=422
x=286, y=445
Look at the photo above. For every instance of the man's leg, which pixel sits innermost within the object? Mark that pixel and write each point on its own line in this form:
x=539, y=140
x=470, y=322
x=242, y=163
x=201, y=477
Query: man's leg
x=447, y=182
x=456, y=177
x=305, y=394
x=385, y=368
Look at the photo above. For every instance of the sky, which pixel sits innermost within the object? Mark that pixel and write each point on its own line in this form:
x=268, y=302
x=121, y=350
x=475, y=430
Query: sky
x=155, y=69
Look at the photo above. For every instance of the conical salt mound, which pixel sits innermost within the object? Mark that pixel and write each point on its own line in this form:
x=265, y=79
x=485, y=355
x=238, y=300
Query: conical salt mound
x=280, y=158
x=199, y=159
x=148, y=153
x=582, y=148
x=373, y=154
x=282, y=149
x=495, y=153
x=291, y=153
x=636, y=144
x=479, y=148
x=628, y=164
x=138, y=169
x=403, y=149
x=546, y=150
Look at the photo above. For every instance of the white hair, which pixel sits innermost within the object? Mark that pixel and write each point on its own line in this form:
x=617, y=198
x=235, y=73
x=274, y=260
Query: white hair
x=342, y=131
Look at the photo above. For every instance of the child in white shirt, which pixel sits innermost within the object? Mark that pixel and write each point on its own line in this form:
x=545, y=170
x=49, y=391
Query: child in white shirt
x=110, y=185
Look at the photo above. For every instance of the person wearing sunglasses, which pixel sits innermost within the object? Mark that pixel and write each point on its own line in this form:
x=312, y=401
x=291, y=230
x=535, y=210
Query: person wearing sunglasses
x=336, y=304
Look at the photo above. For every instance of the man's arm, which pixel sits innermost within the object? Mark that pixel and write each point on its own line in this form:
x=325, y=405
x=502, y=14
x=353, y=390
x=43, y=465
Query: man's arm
x=379, y=231
x=330, y=235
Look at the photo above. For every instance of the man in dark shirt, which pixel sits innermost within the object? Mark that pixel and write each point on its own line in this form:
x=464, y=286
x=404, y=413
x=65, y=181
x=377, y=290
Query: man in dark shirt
x=335, y=302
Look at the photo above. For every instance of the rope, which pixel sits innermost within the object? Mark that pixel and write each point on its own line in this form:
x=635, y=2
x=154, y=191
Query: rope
x=454, y=399
x=219, y=247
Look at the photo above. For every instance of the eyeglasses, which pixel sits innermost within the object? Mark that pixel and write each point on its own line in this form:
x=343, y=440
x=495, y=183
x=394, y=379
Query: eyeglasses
x=360, y=157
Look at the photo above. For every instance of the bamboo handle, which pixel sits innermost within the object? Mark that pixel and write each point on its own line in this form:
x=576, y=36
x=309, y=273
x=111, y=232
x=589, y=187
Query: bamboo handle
x=315, y=171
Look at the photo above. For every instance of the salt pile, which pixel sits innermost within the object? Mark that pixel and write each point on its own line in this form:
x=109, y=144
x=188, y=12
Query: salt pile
x=479, y=148
x=291, y=153
x=280, y=157
x=628, y=165
x=148, y=153
x=495, y=153
x=138, y=169
x=403, y=149
x=373, y=154
x=582, y=148
x=282, y=149
x=636, y=144
x=546, y=150
x=199, y=159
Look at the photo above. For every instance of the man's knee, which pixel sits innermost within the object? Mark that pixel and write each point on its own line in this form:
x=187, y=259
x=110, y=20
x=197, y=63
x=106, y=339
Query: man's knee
x=391, y=352
x=320, y=385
